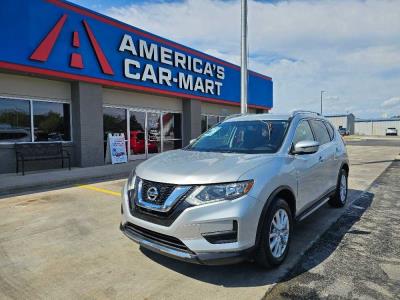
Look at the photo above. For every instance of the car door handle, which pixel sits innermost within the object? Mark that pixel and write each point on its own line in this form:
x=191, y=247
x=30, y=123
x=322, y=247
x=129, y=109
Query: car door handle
x=321, y=159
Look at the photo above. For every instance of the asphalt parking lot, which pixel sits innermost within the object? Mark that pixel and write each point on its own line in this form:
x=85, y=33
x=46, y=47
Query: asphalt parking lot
x=66, y=244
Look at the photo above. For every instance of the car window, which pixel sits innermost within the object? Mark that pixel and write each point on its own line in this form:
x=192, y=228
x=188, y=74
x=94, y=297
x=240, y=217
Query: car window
x=303, y=133
x=331, y=131
x=253, y=136
x=320, y=131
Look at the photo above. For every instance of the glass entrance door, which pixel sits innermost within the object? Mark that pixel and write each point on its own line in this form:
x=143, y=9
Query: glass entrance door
x=153, y=133
x=137, y=134
x=144, y=134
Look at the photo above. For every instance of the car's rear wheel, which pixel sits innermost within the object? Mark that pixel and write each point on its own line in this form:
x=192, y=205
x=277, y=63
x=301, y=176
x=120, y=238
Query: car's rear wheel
x=340, y=197
x=275, y=235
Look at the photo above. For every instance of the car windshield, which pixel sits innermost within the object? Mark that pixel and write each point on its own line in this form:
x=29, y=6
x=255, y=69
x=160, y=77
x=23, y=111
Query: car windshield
x=258, y=136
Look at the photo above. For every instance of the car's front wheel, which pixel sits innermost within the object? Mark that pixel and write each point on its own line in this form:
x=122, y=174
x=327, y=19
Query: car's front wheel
x=275, y=235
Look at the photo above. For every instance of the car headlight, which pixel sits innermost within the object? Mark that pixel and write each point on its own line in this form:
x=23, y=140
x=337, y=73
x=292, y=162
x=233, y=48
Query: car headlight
x=219, y=192
x=131, y=181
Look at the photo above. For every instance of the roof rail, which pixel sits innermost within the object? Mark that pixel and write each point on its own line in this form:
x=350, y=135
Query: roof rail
x=295, y=112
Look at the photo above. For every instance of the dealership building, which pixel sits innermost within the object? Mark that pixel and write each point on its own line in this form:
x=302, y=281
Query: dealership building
x=70, y=75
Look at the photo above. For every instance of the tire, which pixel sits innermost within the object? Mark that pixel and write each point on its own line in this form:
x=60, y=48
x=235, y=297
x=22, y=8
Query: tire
x=267, y=256
x=339, y=199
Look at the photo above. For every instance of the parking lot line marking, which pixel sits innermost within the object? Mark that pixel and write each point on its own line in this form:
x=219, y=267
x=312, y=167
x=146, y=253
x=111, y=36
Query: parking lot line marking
x=93, y=188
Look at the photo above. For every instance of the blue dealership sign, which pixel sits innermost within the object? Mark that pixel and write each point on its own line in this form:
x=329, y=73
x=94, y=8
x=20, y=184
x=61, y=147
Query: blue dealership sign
x=59, y=39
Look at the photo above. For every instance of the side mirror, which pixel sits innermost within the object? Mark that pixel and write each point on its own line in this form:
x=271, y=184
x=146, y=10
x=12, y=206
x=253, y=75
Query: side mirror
x=306, y=147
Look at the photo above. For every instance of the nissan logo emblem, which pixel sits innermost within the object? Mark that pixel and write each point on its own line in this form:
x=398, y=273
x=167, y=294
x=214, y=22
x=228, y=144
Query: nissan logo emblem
x=152, y=193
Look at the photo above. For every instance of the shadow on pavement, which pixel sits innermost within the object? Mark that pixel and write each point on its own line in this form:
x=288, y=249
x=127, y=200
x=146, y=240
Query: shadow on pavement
x=249, y=274
x=372, y=162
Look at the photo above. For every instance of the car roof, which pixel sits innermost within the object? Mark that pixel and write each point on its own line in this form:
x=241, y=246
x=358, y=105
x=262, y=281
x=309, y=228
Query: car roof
x=256, y=117
x=269, y=116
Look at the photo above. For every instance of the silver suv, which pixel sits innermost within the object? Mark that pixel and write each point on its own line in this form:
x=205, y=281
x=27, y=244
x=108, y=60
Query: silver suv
x=237, y=190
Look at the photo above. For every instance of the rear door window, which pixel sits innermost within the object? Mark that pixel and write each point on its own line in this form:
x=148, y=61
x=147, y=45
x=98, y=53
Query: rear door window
x=331, y=131
x=320, y=131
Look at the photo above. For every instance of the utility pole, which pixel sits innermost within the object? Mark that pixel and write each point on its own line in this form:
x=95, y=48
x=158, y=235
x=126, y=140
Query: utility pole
x=321, y=100
x=243, y=56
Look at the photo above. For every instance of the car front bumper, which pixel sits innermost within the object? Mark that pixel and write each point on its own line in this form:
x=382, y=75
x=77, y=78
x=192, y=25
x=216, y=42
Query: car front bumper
x=205, y=258
x=185, y=239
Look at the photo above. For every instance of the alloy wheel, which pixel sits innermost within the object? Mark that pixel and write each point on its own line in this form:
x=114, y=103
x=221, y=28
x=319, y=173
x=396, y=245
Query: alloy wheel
x=279, y=233
x=343, y=188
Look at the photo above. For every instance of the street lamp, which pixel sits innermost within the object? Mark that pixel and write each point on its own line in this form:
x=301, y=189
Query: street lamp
x=321, y=100
x=243, y=57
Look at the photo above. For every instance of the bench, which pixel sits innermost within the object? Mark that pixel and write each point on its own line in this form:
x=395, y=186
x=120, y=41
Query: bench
x=40, y=151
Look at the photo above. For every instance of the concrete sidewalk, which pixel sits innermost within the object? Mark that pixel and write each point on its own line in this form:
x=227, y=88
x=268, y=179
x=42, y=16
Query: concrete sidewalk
x=12, y=183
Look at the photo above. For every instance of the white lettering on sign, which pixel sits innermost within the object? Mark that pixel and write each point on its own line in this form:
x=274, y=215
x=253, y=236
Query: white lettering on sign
x=206, y=77
x=129, y=65
x=149, y=52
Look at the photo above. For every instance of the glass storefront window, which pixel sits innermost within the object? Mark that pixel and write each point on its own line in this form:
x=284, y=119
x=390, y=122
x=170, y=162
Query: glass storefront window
x=172, y=145
x=51, y=121
x=172, y=126
x=149, y=132
x=212, y=120
x=114, y=121
x=15, y=121
x=172, y=131
x=203, y=123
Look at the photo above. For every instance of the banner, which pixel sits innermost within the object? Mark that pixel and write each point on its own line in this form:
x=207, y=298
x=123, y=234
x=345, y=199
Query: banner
x=116, y=149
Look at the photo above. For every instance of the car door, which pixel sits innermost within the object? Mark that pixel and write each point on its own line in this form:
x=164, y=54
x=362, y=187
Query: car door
x=336, y=152
x=326, y=157
x=307, y=168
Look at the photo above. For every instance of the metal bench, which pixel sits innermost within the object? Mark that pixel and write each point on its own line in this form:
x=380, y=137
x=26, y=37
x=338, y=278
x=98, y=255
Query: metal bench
x=40, y=151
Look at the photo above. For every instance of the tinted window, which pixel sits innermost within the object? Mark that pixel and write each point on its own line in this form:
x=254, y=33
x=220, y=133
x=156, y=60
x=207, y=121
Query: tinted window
x=331, y=131
x=321, y=133
x=203, y=123
x=15, y=121
x=172, y=127
x=212, y=120
x=242, y=137
x=303, y=133
x=114, y=120
x=172, y=131
x=51, y=121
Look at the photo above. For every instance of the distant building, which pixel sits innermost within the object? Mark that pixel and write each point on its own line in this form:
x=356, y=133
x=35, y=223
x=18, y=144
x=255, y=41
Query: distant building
x=376, y=126
x=343, y=121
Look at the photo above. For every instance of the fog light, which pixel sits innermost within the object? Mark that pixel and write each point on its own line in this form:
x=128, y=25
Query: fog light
x=223, y=237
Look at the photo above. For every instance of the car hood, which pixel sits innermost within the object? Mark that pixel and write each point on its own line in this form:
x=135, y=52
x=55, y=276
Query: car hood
x=193, y=167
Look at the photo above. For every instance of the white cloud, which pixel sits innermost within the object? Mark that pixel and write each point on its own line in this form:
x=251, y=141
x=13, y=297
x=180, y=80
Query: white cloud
x=392, y=102
x=350, y=48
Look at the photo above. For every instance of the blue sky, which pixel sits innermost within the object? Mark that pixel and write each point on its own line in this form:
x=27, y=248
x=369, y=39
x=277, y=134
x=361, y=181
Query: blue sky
x=350, y=48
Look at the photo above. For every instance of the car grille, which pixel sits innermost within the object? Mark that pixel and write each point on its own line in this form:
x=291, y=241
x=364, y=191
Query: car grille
x=163, y=239
x=164, y=190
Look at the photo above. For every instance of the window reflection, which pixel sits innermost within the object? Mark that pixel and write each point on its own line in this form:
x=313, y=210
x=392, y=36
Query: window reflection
x=172, y=144
x=203, y=123
x=15, y=120
x=212, y=120
x=137, y=125
x=153, y=133
x=51, y=121
x=172, y=131
x=114, y=121
x=172, y=128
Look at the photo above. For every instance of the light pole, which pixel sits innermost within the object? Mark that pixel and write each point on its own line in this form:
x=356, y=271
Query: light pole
x=243, y=58
x=321, y=100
